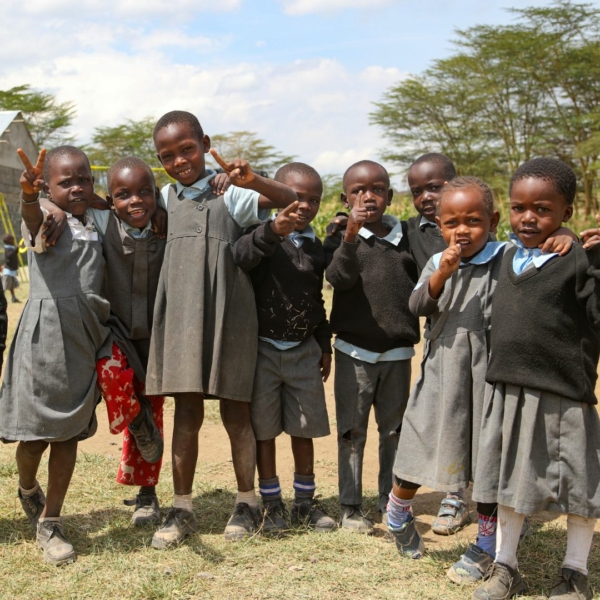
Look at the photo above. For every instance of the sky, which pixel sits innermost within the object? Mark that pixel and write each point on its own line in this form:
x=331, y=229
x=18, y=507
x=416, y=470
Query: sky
x=302, y=74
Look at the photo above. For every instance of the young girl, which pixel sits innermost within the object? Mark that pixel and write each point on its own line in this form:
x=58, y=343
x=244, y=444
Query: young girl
x=49, y=390
x=539, y=445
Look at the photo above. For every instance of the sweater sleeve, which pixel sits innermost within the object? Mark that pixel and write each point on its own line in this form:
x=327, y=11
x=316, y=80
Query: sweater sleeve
x=344, y=270
x=420, y=303
x=588, y=284
x=3, y=326
x=255, y=245
x=331, y=244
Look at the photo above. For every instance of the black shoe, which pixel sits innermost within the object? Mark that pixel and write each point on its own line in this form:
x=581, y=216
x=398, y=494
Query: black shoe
x=178, y=525
x=500, y=582
x=146, y=434
x=571, y=585
x=275, y=517
x=243, y=522
x=310, y=512
x=33, y=505
x=147, y=509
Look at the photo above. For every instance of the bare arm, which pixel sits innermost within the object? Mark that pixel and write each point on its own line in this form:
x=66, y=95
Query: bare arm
x=31, y=184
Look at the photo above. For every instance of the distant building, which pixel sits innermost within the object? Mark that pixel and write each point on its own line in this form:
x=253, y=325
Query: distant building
x=13, y=134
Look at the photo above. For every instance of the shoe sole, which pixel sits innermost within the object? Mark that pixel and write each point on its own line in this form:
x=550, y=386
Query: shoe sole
x=153, y=458
x=515, y=592
x=139, y=522
x=159, y=544
x=70, y=558
x=459, y=579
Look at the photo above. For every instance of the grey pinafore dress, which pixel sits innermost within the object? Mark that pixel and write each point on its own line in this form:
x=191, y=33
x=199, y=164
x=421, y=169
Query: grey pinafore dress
x=440, y=431
x=131, y=280
x=49, y=390
x=205, y=332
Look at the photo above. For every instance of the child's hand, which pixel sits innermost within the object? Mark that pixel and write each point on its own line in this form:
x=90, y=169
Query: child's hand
x=336, y=224
x=285, y=222
x=220, y=183
x=450, y=260
x=53, y=227
x=238, y=170
x=31, y=179
x=560, y=244
x=325, y=365
x=356, y=220
x=591, y=237
x=99, y=203
x=159, y=222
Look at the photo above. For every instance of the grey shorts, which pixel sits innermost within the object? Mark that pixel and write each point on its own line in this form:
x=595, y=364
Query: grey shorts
x=288, y=393
x=9, y=283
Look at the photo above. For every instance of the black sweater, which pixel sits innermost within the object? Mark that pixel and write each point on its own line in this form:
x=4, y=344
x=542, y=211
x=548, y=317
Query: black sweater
x=11, y=258
x=545, y=323
x=288, y=285
x=424, y=243
x=372, y=282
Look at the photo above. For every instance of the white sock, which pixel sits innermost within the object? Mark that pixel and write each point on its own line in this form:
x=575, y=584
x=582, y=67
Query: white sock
x=50, y=519
x=248, y=497
x=508, y=533
x=184, y=501
x=579, y=541
x=30, y=492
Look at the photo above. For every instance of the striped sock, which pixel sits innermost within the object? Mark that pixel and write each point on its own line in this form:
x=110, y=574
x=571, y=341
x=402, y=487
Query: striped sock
x=269, y=489
x=398, y=511
x=304, y=486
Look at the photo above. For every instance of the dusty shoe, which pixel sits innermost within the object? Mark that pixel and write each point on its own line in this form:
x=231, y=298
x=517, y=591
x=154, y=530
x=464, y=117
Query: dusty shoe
x=353, y=519
x=500, y=583
x=243, y=522
x=452, y=517
x=471, y=566
x=178, y=526
x=311, y=513
x=33, y=505
x=146, y=434
x=51, y=539
x=571, y=585
x=407, y=538
x=146, y=509
x=275, y=515
x=384, y=517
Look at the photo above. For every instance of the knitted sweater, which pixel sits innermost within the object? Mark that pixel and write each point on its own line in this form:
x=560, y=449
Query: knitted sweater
x=545, y=325
x=288, y=284
x=424, y=243
x=372, y=281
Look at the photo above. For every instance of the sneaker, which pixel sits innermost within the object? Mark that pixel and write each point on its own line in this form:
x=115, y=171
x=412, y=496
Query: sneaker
x=51, y=539
x=500, y=583
x=571, y=585
x=407, y=538
x=178, y=525
x=146, y=509
x=274, y=520
x=243, y=522
x=16, y=301
x=311, y=513
x=146, y=434
x=353, y=519
x=471, y=566
x=33, y=505
x=452, y=517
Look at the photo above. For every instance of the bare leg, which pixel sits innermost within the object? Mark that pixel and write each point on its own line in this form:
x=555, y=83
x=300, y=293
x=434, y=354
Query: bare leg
x=236, y=418
x=304, y=455
x=61, y=465
x=404, y=493
x=266, y=459
x=189, y=415
x=29, y=455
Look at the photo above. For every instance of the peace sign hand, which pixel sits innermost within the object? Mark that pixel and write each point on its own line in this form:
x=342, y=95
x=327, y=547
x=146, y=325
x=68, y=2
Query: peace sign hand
x=31, y=179
x=239, y=170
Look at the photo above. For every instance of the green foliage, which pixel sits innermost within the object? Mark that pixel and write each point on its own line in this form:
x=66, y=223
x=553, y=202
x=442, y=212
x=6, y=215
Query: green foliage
x=47, y=119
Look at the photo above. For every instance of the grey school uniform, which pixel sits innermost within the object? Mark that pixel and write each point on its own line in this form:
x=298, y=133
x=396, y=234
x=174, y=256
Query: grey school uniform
x=440, y=431
x=49, y=390
x=205, y=332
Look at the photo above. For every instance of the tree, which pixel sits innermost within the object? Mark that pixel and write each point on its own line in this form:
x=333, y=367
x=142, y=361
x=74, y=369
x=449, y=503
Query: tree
x=47, y=119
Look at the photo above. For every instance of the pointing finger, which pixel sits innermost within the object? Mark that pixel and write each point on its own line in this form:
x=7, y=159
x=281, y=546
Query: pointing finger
x=359, y=200
x=219, y=160
x=24, y=159
x=288, y=210
x=452, y=239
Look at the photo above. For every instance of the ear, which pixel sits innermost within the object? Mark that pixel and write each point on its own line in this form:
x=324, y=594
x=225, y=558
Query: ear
x=109, y=201
x=159, y=159
x=568, y=213
x=390, y=196
x=344, y=200
x=156, y=194
x=494, y=221
x=46, y=190
x=438, y=222
x=206, y=144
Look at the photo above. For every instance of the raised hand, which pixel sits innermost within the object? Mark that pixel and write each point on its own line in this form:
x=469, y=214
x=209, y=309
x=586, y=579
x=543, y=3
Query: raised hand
x=357, y=218
x=238, y=170
x=285, y=222
x=591, y=237
x=336, y=224
x=220, y=183
x=450, y=260
x=31, y=179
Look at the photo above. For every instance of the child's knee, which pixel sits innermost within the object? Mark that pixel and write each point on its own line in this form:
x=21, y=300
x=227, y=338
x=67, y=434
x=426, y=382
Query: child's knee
x=236, y=416
x=34, y=448
x=189, y=413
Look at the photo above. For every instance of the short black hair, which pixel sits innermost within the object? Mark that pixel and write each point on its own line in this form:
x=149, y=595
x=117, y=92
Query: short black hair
x=179, y=116
x=462, y=183
x=557, y=172
x=299, y=168
x=8, y=238
x=60, y=152
x=437, y=158
x=128, y=162
x=364, y=163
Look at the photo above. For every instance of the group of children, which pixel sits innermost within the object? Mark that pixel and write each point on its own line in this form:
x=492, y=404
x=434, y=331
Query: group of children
x=196, y=292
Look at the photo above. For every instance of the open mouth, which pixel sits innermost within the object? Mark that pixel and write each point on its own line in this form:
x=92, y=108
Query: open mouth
x=77, y=200
x=428, y=208
x=138, y=213
x=185, y=172
x=529, y=232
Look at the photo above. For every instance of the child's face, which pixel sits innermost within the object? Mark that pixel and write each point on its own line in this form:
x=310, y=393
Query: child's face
x=181, y=153
x=464, y=219
x=309, y=191
x=374, y=184
x=426, y=181
x=70, y=184
x=133, y=195
x=10, y=240
x=537, y=210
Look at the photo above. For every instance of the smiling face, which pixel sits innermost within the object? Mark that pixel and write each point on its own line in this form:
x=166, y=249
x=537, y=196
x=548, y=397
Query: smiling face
x=426, y=182
x=133, y=194
x=465, y=219
x=374, y=183
x=70, y=184
x=309, y=191
x=537, y=210
x=181, y=153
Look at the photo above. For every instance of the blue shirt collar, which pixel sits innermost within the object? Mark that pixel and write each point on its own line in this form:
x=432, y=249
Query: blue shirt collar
x=308, y=232
x=526, y=256
x=394, y=237
x=423, y=223
x=201, y=185
x=484, y=256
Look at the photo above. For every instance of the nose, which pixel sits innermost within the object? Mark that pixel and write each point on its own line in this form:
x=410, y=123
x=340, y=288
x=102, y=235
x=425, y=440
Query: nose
x=179, y=160
x=303, y=206
x=528, y=217
x=135, y=199
x=462, y=229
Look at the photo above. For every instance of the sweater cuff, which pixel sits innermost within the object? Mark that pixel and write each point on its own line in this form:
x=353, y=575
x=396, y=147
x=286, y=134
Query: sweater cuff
x=269, y=235
x=348, y=247
x=324, y=341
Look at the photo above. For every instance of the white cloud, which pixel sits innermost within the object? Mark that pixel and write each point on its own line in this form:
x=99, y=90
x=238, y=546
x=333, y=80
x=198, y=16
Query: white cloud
x=305, y=7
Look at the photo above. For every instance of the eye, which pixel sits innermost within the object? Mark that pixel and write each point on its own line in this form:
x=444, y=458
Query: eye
x=517, y=208
x=435, y=188
x=474, y=220
x=543, y=209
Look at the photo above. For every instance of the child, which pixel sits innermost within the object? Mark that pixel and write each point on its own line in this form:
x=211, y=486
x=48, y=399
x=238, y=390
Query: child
x=10, y=273
x=539, y=447
x=286, y=263
x=373, y=274
x=49, y=390
x=205, y=333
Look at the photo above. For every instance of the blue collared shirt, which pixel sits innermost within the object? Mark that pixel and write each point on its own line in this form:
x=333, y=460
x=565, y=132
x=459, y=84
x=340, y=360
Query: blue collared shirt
x=426, y=223
x=524, y=258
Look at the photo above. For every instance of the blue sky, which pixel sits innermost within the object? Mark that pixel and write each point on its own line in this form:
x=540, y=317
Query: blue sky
x=303, y=74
